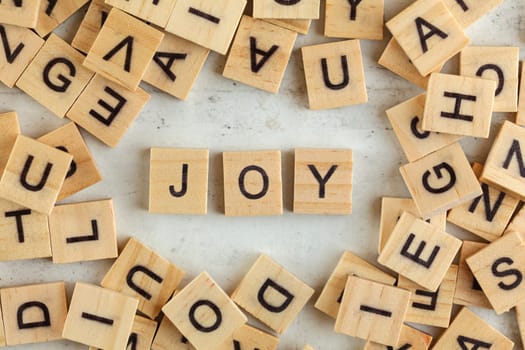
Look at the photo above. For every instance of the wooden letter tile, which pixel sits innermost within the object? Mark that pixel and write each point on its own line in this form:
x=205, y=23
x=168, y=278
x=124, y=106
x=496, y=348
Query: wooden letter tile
x=252, y=183
x=271, y=294
x=520, y=318
x=204, y=314
x=9, y=130
x=303, y=9
x=467, y=12
x=301, y=26
x=34, y=175
x=410, y=338
x=520, y=116
x=83, y=231
x=2, y=330
x=106, y=109
x=178, y=181
x=53, y=13
x=20, y=13
x=102, y=312
x=168, y=337
x=441, y=180
x=123, y=49
x=323, y=181
x=141, y=335
x=419, y=251
x=34, y=313
x=152, y=11
x=141, y=273
x=354, y=19
x=428, y=33
x=350, y=264
x=372, y=311
x=211, y=24
x=90, y=26
x=334, y=74
x=248, y=337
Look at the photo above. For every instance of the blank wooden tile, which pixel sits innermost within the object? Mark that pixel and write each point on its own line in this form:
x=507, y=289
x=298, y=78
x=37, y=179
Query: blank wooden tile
x=90, y=26
x=468, y=291
x=83, y=171
x=520, y=116
x=156, y=12
x=259, y=54
x=53, y=13
x=248, y=337
x=141, y=273
x=467, y=12
x=350, y=264
x=468, y=331
x=106, y=109
x=441, y=180
x=123, y=49
x=83, y=231
x=178, y=182
x=428, y=33
x=9, y=130
x=323, y=181
x=176, y=66
x=25, y=15
x=56, y=77
x=102, y=312
x=356, y=19
x=168, y=337
x=304, y=9
x=252, y=183
x=334, y=74
x=372, y=311
x=211, y=24
x=21, y=45
x=271, y=294
x=301, y=26
x=427, y=264
x=34, y=313
x=497, y=268
x=34, y=174
x=410, y=338
x=486, y=216
x=406, y=119
x=141, y=335
x=203, y=313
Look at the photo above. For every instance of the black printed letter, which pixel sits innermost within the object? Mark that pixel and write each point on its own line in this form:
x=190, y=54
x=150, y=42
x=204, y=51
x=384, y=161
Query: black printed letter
x=438, y=171
x=264, y=176
x=499, y=72
x=515, y=148
x=128, y=43
x=166, y=67
x=477, y=344
x=50, y=6
x=65, y=81
x=433, y=300
x=43, y=179
x=415, y=131
x=322, y=180
x=9, y=56
x=92, y=237
x=46, y=322
x=490, y=213
x=353, y=8
x=254, y=51
x=184, y=187
x=212, y=307
x=457, y=107
x=509, y=272
x=288, y=297
x=147, y=272
x=113, y=110
x=420, y=23
x=326, y=76
x=19, y=226
x=416, y=257
x=73, y=167
x=204, y=15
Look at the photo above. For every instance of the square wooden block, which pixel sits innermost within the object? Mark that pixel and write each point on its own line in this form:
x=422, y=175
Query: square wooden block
x=123, y=49
x=486, y=216
x=141, y=335
x=9, y=130
x=505, y=168
x=55, y=78
x=176, y=66
x=406, y=119
x=178, y=182
x=269, y=48
x=204, y=313
x=248, y=337
x=168, y=337
x=354, y=19
x=21, y=46
x=372, y=311
x=441, y=180
x=252, y=183
x=419, y=251
x=20, y=13
x=211, y=24
x=497, y=268
x=349, y=265
x=410, y=338
x=102, y=312
x=468, y=331
x=83, y=231
x=34, y=175
x=271, y=294
x=428, y=33
x=156, y=12
x=34, y=313
x=106, y=109
x=301, y=26
x=520, y=116
x=323, y=181
x=303, y=9
x=467, y=12
x=54, y=13
x=468, y=291
x=90, y=26
x=141, y=273
x=83, y=171
x=334, y=74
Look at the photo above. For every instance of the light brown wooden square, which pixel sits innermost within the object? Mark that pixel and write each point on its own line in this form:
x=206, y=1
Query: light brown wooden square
x=283, y=295
x=211, y=24
x=42, y=309
x=178, y=182
x=55, y=78
x=141, y=335
x=9, y=130
x=90, y=26
x=156, y=12
x=123, y=49
x=410, y=338
x=194, y=312
x=106, y=109
x=301, y=26
x=419, y=251
x=54, y=13
x=304, y=9
x=115, y=313
x=372, y=311
x=168, y=337
x=331, y=87
x=518, y=222
x=365, y=21
x=248, y=337
x=23, y=16
x=34, y=174
x=349, y=265
x=332, y=194
x=467, y=12
x=432, y=185
x=74, y=236
x=520, y=116
x=404, y=28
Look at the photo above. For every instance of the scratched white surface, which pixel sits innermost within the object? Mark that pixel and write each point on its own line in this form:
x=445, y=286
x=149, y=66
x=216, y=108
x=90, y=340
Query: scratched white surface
x=222, y=115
